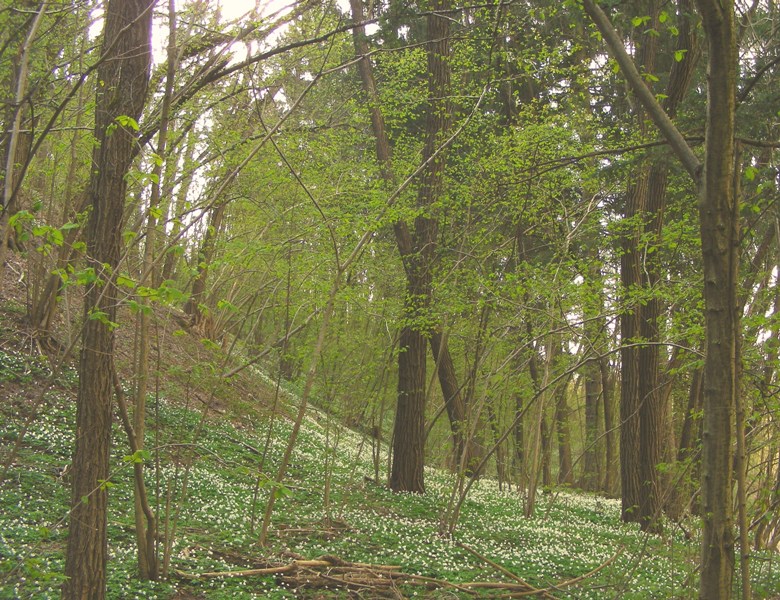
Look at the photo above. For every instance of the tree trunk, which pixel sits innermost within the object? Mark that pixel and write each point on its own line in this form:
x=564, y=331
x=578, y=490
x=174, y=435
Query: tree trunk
x=409, y=430
x=456, y=406
x=201, y=321
x=127, y=42
x=719, y=232
x=17, y=146
x=407, y=474
x=719, y=222
x=565, y=464
x=608, y=388
x=453, y=399
x=651, y=410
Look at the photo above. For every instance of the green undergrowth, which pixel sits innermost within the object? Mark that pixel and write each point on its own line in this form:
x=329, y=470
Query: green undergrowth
x=228, y=475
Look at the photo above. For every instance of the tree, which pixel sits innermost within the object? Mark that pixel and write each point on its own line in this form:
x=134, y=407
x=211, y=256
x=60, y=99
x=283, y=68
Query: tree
x=120, y=98
x=716, y=181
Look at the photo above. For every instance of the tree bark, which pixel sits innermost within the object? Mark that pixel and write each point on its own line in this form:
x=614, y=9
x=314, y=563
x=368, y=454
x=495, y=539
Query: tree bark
x=455, y=403
x=719, y=223
x=125, y=75
x=565, y=464
x=408, y=462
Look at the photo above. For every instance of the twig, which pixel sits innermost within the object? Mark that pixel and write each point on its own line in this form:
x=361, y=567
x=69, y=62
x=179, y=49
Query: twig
x=503, y=570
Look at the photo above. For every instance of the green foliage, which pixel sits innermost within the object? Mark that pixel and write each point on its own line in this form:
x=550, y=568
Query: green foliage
x=19, y=367
x=570, y=535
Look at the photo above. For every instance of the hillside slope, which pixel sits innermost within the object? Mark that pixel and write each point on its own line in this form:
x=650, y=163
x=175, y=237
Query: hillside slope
x=215, y=444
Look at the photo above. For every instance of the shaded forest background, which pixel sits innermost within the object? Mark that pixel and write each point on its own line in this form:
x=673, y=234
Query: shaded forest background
x=527, y=241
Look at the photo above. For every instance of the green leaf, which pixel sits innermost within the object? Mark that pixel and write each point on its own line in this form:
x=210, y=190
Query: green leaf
x=86, y=276
x=750, y=172
x=105, y=484
x=137, y=457
x=99, y=315
x=679, y=55
x=226, y=305
x=129, y=122
x=125, y=282
x=663, y=17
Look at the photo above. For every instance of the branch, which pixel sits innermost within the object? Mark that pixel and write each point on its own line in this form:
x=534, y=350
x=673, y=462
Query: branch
x=654, y=109
x=742, y=96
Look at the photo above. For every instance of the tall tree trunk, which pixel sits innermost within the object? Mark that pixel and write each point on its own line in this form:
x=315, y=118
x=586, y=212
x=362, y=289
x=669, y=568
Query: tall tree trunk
x=642, y=406
x=565, y=464
x=127, y=43
x=719, y=221
x=408, y=462
x=146, y=526
x=630, y=482
x=651, y=411
x=200, y=320
x=456, y=406
x=719, y=231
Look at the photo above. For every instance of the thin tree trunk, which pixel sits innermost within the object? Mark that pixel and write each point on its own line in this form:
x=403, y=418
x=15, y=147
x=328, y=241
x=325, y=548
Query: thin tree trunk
x=14, y=134
x=127, y=43
x=565, y=464
x=607, y=386
x=145, y=528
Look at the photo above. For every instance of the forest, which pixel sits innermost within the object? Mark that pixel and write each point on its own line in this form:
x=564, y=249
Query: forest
x=390, y=298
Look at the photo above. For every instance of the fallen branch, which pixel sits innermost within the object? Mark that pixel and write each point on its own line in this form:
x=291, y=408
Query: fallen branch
x=323, y=562
x=328, y=570
x=503, y=570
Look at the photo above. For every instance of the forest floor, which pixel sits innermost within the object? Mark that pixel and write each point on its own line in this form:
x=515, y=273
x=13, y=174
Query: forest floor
x=336, y=530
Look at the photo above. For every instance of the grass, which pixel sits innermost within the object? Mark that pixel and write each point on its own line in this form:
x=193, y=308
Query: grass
x=570, y=535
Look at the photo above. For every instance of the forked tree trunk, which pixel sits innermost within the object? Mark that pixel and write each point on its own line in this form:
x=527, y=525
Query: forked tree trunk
x=455, y=403
x=127, y=43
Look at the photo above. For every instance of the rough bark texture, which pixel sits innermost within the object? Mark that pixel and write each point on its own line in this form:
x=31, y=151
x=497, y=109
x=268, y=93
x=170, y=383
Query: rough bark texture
x=630, y=482
x=565, y=464
x=409, y=432
x=718, y=214
x=651, y=411
x=127, y=41
x=456, y=406
x=642, y=405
